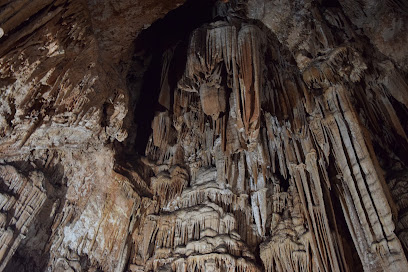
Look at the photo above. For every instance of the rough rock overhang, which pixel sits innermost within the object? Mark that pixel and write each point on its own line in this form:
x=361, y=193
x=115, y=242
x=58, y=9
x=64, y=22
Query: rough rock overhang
x=254, y=135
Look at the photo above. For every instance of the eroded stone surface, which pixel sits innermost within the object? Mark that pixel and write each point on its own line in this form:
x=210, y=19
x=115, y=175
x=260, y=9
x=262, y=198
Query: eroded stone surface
x=280, y=146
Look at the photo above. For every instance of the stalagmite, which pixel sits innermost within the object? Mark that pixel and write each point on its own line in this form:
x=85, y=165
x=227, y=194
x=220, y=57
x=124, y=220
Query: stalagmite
x=241, y=135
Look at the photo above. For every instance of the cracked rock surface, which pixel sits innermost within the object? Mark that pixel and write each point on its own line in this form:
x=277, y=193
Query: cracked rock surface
x=233, y=135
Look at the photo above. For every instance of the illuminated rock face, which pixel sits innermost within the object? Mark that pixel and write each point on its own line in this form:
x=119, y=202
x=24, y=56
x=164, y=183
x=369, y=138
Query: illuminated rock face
x=278, y=137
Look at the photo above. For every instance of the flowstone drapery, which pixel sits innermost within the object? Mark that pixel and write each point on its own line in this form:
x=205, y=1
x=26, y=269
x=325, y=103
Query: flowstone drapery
x=232, y=135
x=241, y=156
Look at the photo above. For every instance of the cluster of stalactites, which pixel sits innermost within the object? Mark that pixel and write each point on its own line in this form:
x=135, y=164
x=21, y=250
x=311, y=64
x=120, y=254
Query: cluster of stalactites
x=305, y=125
x=224, y=66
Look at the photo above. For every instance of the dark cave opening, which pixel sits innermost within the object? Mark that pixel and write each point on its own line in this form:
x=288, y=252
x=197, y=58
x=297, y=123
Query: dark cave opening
x=336, y=217
x=170, y=33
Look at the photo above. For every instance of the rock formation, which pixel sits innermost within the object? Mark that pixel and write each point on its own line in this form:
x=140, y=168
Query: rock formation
x=233, y=135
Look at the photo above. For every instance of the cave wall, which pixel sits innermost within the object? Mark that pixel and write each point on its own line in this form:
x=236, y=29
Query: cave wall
x=276, y=136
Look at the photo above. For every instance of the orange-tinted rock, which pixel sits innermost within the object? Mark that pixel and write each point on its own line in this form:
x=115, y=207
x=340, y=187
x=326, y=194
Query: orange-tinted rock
x=276, y=140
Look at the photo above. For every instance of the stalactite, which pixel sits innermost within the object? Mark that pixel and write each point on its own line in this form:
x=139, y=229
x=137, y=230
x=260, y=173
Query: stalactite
x=278, y=141
x=246, y=137
x=258, y=139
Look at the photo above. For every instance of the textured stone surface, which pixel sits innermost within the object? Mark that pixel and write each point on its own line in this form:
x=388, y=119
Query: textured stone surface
x=277, y=142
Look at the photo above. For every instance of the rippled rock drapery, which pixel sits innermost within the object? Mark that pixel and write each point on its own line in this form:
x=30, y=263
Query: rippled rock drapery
x=241, y=160
x=281, y=147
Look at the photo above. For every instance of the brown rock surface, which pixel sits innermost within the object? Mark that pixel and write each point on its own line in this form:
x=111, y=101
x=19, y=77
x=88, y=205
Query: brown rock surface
x=257, y=135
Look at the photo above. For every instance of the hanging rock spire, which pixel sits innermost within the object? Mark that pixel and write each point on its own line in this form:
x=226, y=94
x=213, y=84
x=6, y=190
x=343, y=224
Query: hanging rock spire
x=258, y=137
x=241, y=135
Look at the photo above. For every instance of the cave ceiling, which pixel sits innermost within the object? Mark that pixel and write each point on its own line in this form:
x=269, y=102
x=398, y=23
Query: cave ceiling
x=203, y=135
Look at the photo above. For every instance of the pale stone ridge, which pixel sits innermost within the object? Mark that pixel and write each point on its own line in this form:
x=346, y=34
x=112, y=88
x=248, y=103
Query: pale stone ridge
x=281, y=145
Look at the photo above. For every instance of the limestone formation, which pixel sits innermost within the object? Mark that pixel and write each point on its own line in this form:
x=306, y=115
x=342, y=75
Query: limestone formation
x=261, y=135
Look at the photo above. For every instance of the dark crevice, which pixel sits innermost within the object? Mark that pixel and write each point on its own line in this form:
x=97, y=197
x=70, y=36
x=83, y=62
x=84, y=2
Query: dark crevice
x=170, y=33
x=31, y=254
x=337, y=219
x=363, y=175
